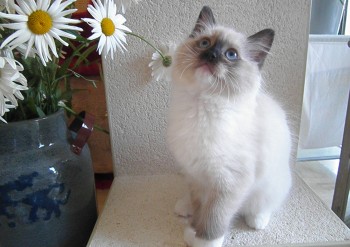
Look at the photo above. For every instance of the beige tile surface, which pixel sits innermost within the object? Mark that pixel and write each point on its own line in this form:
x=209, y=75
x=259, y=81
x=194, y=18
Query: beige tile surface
x=320, y=176
x=139, y=213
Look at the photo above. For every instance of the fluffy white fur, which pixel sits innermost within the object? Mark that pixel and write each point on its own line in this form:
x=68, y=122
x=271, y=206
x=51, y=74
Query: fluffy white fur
x=230, y=139
x=191, y=240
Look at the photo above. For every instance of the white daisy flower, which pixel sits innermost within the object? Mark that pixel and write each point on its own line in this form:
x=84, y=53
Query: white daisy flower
x=11, y=84
x=108, y=26
x=39, y=23
x=6, y=56
x=7, y=52
x=7, y=108
x=161, y=71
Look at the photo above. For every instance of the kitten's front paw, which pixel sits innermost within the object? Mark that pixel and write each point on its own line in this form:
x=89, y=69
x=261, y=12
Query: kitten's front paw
x=183, y=207
x=189, y=236
x=259, y=221
x=198, y=242
x=192, y=241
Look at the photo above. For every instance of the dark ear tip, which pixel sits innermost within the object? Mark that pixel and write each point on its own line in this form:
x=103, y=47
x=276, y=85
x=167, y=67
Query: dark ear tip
x=270, y=32
x=205, y=18
x=206, y=8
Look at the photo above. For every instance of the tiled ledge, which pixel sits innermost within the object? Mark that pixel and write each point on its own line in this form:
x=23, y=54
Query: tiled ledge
x=139, y=213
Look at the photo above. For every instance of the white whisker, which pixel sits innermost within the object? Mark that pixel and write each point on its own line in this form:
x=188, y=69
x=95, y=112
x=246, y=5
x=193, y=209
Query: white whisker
x=187, y=67
x=190, y=49
x=211, y=85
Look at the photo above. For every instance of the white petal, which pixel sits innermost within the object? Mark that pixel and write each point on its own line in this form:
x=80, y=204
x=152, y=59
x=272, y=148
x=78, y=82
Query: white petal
x=3, y=119
x=95, y=14
x=120, y=35
x=64, y=5
x=23, y=36
x=124, y=28
x=2, y=62
x=11, y=62
x=45, y=49
x=49, y=40
x=15, y=26
x=32, y=4
x=30, y=45
x=56, y=36
x=25, y=7
x=108, y=45
x=14, y=17
x=12, y=37
x=119, y=19
x=94, y=36
x=45, y=5
x=97, y=29
x=59, y=32
x=66, y=27
x=54, y=6
x=101, y=8
x=15, y=8
x=39, y=4
x=101, y=43
x=38, y=46
x=111, y=9
x=58, y=15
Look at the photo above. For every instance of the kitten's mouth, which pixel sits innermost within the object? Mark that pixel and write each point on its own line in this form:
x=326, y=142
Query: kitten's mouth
x=206, y=68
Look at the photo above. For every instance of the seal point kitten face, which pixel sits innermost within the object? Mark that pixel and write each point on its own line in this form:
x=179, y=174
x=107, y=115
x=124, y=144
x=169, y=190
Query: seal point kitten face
x=218, y=59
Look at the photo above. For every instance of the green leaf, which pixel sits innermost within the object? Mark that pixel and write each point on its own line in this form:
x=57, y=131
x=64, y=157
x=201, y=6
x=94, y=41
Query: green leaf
x=40, y=112
x=83, y=56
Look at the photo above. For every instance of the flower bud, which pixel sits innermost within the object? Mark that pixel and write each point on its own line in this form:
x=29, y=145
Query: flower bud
x=167, y=61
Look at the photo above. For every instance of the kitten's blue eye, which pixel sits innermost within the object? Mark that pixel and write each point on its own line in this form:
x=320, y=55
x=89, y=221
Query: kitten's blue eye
x=204, y=43
x=231, y=54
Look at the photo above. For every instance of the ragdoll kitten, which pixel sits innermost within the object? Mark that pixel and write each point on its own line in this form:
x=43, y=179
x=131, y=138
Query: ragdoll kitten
x=230, y=138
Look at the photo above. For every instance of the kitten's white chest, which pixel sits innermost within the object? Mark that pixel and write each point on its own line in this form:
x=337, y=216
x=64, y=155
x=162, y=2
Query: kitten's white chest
x=204, y=129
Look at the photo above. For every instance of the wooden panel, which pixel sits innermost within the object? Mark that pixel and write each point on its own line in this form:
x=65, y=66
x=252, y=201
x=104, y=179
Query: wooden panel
x=93, y=100
x=81, y=5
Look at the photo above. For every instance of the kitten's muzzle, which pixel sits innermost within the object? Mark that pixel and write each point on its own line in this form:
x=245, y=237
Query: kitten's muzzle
x=211, y=55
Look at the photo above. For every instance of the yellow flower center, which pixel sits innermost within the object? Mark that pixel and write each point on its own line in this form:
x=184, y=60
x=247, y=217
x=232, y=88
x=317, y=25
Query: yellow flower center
x=107, y=26
x=39, y=22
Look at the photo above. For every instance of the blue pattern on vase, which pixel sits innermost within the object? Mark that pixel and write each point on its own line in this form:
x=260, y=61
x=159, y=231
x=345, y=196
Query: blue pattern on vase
x=47, y=200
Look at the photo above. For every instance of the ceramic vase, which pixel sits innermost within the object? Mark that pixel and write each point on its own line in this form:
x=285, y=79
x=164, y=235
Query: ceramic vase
x=47, y=192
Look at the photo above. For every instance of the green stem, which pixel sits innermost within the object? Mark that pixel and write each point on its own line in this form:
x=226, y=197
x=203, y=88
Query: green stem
x=147, y=42
x=83, y=77
x=77, y=116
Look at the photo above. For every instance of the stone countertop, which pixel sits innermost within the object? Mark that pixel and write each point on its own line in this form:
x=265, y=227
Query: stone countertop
x=139, y=212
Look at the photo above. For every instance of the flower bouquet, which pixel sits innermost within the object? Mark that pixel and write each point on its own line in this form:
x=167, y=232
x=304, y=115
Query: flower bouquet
x=34, y=69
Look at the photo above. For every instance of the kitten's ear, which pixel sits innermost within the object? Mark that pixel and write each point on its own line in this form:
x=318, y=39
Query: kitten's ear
x=260, y=44
x=206, y=18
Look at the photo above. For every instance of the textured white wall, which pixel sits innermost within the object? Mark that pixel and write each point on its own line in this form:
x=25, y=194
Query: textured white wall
x=137, y=105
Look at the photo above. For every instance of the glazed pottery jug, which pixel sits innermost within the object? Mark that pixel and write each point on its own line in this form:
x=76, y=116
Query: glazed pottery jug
x=47, y=192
